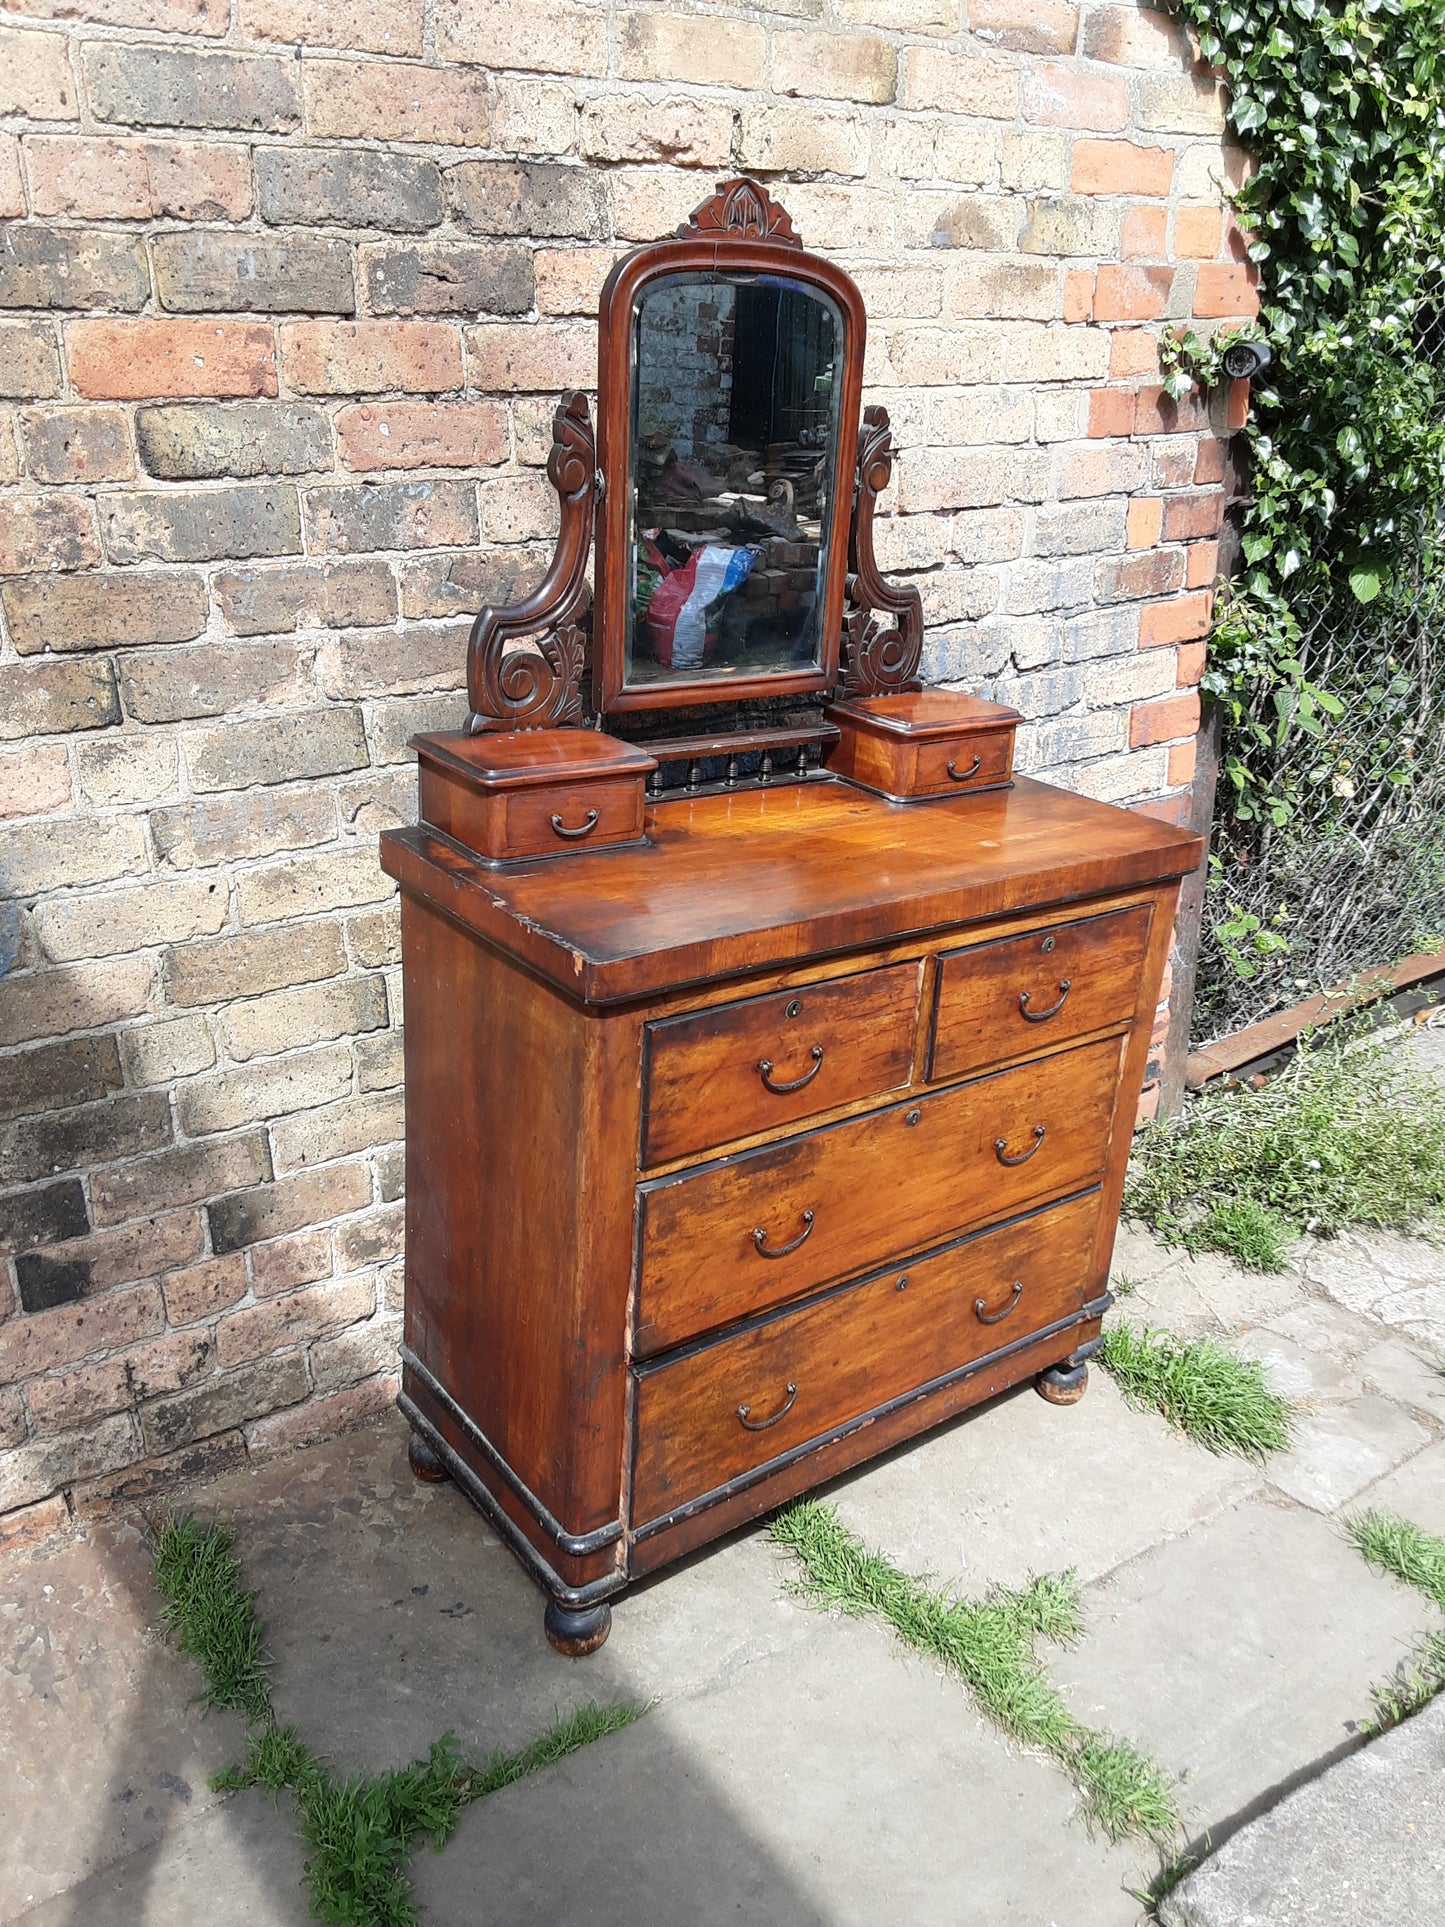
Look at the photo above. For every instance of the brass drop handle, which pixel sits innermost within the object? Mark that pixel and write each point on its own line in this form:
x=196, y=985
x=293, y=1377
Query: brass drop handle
x=584, y=828
x=760, y=1239
x=1042, y=1016
x=997, y=1317
x=765, y=1072
x=1001, y=1150
x=962, y=775
x=751, y=1424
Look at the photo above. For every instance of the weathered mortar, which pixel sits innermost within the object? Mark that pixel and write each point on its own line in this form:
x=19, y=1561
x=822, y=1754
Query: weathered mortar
x=289, y=299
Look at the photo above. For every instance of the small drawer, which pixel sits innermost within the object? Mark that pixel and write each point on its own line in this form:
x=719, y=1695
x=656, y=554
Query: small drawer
x=923, y=743
x=717, y=1075
x=1020, y=993
x=751, y=1231
x=737, y=1404
x=531, y=793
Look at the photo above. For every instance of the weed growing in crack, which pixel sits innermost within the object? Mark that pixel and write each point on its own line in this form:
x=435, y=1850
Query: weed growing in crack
x=1350, y=1132
x=990, y=1645
x=1417, y=1558
x=360, y=1833
x=1218, y=1399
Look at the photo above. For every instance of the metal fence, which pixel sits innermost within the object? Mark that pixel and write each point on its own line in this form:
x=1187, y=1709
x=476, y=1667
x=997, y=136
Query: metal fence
x=1355, y=876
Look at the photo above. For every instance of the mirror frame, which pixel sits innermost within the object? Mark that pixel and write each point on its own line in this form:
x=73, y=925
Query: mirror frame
x=741, y=230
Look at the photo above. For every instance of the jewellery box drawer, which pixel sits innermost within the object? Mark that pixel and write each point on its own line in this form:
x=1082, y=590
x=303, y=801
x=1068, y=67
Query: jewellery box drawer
x=747, y=1232
x=720, y=1074
x=732, y=1406
x=997, y=999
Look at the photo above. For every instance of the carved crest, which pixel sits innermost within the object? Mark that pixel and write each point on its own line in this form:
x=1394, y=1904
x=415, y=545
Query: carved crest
x=517, y=683
x=881, y=651
x=741, y=210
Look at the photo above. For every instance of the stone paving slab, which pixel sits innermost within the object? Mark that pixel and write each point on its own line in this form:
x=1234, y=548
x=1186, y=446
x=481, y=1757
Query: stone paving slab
x=1364, y=1843
x=1027, y=1487
x=842, y=1784
x=101, y=1750
x=1240, y=1654
x=1416, y=1491
x=1335, y=1454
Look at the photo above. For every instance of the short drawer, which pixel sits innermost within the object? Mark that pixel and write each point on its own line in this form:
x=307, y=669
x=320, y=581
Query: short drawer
x=1020, y=993
x=979, y=762
x=733, y=1406
x=750, y=1231
x=544, y=822
x=717, y=1075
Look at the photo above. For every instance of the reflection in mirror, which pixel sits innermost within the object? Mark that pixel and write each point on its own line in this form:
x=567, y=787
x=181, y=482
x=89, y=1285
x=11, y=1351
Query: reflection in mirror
x=735, y=397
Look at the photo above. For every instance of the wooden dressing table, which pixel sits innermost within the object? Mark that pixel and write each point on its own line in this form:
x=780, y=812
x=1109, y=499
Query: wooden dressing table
x=769, y=1082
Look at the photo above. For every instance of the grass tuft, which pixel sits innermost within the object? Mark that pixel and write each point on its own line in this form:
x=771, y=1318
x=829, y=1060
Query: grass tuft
x=1219, y=1399
x=1417, y=1558
x=1350, y=1132
x=213, y=1617
x=360, y=1833
x=989, y=1645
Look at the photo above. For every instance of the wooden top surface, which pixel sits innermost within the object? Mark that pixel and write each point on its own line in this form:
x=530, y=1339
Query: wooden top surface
x=532, y=758
x=926, y=715
x=764, y=878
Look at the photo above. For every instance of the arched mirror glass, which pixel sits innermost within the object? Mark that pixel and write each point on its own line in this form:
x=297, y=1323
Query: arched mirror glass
x=736, y=397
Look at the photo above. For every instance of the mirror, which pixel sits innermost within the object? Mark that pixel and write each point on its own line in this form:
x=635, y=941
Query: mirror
x=732, y=485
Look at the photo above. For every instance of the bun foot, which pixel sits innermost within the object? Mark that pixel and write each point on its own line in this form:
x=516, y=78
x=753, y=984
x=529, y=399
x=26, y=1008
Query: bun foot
x=424, y=1462
x=577, y=1631
x=1063, y=1384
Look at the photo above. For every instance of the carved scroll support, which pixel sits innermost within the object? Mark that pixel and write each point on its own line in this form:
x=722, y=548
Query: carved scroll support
x=538, y=685
x=882, y=623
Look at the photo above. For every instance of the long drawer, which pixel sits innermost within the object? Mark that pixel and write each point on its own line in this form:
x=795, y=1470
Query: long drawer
x=997, y=1000
x=707, y=1418
x=747, y=1232
x=716, y=1075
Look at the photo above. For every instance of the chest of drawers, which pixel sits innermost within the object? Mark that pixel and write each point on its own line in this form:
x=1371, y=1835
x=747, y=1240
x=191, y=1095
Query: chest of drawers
x=740, y=1153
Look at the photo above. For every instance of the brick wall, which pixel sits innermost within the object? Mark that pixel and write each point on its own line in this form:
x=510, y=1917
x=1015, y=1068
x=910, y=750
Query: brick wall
x=289, y=287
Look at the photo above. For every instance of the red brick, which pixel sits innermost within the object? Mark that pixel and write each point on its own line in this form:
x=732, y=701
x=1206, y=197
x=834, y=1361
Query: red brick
x=1183, y=619
x=1148, y=572
x=1111, y=411
x=199, y=1291
x=1197, y=232
x=1078, y=294
x=139, y=180
x=1209, y=464
x=141, y=360
x=1225, y=290
x=1238, y=406
x=1119, y=167
x=1133, y=351
x=1164, y=719
x=1131, y=294
x=370, y=357
x=1146, y=518
x=1146, y=232
x=31, y=1524
x=1181, y=763
x=1156, y=413
x=1166, y=809
x=1203, y=566
x=1062, y=97
x=1189, y=516
x=1190, y=664
x=1147, y=1108
x=420, y=434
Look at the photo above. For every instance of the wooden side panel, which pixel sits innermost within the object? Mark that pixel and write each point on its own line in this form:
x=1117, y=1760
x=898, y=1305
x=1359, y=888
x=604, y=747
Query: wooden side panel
x=716, y=1075
x=521, y=1113
x=998, y=1000
x=704, y=1419
x=841, y=1199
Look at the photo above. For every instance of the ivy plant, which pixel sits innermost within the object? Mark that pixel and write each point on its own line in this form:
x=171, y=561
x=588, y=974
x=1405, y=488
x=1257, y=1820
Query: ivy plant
x=1341, y=106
